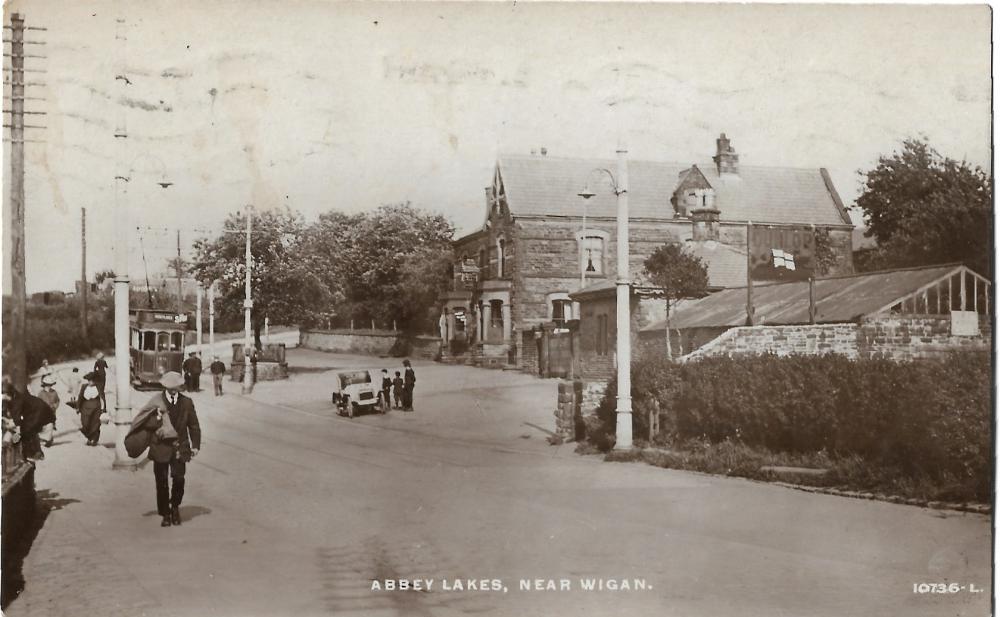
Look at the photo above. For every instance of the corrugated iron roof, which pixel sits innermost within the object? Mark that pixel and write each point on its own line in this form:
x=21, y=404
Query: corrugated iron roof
x=838, y=299
x=544, y=185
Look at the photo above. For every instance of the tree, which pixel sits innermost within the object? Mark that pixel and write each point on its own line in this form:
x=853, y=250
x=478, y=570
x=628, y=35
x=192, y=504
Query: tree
x=286, y=283
x=923, y=208
x=386, y=265
x=679, y=274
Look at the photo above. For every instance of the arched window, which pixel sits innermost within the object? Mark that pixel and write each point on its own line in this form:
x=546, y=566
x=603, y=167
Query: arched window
x=162, y=341
x=177, y=341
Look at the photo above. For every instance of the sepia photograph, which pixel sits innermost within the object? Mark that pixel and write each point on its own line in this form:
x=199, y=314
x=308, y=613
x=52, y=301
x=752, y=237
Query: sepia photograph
x=422, y=308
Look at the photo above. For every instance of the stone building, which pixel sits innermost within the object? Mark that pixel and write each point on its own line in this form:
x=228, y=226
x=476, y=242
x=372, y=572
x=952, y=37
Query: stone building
x=541, y=241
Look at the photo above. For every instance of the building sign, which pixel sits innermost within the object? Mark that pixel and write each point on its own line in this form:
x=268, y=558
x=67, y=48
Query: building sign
x=791, y=245
x=468, y=273
x=170, y=317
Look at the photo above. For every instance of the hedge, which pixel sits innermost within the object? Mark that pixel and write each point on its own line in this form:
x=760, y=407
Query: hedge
x=926, y=418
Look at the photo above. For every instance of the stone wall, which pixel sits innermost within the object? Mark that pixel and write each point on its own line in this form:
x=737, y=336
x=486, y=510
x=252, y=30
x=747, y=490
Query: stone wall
x=783, y=340
x=365, y=342
x=909, y=337
x=895, y=337
x=428, y=347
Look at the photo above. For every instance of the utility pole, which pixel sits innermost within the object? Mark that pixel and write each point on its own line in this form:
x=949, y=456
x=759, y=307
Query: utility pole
x=247, y=306
x=211, y=316
x=83, y=272
x=19, y=307
x=123, y=385
x=198, y=316
x=180, y=289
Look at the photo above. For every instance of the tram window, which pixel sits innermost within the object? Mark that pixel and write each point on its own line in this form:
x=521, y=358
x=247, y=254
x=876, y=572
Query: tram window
x=177, y=341
x=149, y=341
x=134, y=338
x=162, y=341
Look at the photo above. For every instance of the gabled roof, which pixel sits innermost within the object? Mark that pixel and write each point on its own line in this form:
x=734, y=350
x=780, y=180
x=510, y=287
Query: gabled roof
x=546, y=185
x=838, y=299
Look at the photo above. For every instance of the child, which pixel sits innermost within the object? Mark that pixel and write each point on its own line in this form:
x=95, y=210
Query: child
x=397, y=390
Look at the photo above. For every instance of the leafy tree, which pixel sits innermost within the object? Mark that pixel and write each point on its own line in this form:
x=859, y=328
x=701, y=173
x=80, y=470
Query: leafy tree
x=386, y=265
x=103, y=275
x=824, y=257
x=285, y=282
x=679, y=273
x=923, y=208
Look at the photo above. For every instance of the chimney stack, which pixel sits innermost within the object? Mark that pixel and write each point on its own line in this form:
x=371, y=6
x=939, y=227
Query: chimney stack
x=726, y=159
x=705, y=224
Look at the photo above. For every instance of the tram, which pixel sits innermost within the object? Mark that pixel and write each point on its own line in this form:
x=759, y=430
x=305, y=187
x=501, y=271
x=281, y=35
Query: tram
x=156, y=345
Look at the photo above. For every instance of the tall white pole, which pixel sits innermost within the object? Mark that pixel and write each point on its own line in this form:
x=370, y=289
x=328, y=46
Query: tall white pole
x=198, y=292
x=123, y=386
x=211, y=317
x=623, y=429
x=247, y=306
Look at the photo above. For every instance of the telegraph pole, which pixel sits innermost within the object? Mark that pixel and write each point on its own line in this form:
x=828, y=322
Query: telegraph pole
x=83, y=272
x=623, y=426
x=180, y=304
x=19, y=306
x=211, y=316
x=247, y=306
x=15, y=73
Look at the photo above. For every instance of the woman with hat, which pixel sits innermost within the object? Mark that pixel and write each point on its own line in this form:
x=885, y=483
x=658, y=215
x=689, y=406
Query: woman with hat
x=409, y=382
x=51, y=398
x=89, y=407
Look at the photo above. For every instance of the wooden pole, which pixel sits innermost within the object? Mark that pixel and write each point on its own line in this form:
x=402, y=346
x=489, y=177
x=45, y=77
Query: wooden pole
x=750, y=309
x=180, y=290
x=18, y=314
x=812, y=301
x=961, y=291
x=83, y=272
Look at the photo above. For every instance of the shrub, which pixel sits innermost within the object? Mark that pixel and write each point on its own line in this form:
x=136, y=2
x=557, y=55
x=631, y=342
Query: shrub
x=926, y=421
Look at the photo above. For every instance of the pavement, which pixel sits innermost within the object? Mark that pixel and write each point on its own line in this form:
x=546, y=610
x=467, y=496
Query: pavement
x=293, y=510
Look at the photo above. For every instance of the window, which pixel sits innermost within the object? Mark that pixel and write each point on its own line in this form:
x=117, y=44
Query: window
x=592, y=255
x=177, y=341
x=162, y=341
x=562, y=311
x=149, y=341
x=482, y=263
x=496, y=313
x=500, y=257
x=601, y=342
x=459, y=320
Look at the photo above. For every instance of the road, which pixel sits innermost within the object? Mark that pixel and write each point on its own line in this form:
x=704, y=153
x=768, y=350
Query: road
x=292, y=510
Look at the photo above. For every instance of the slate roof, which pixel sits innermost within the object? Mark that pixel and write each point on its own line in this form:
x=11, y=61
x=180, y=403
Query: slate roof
x=546, y=185
x=839, y=299
x=727, y=265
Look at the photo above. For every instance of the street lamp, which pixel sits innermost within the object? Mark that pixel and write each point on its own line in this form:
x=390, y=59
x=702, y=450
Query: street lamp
x=623, y=427
x=123, y=381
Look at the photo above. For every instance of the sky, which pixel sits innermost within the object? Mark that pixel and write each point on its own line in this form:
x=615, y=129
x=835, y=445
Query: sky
x=323, y=105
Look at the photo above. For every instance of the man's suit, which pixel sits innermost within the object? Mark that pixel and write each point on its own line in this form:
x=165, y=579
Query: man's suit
x=171, y=455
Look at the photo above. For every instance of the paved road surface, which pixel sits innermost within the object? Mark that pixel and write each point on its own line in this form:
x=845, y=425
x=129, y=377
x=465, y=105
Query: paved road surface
x=292, y=510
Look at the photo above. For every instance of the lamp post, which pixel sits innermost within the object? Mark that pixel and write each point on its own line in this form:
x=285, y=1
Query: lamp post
x=123, y=381
x=623, y=427
x=247, y=306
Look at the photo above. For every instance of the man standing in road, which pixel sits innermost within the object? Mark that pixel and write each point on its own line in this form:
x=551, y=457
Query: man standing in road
x=409, y=381
x=188, y=367
x=218, y=369
x=174, y=438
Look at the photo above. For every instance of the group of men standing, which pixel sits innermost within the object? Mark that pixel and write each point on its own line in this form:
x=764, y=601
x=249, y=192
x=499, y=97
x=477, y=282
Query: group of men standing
x=192, y=368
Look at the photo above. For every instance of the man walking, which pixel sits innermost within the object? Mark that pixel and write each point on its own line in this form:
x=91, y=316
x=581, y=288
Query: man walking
x=30, y=413
x=196, y=369
x=218, y=370
x=174, y=438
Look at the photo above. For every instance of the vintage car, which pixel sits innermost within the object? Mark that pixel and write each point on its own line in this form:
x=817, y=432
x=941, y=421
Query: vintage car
x=358, y=390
